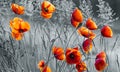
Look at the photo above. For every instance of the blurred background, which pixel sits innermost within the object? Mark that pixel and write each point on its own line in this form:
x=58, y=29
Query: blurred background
x=25, y=54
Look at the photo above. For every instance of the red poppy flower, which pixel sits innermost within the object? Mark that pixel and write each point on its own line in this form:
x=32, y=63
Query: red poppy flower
x=43, y=67
x=87, y=45
x=17, y=9
x=100, y=64
x=77, y=15
x=73, y=56
x=47, y=7
x=81, y=66
x=18, y=27
x=90, y=24
x=86, y=32
x=58, y=53
x=106, y=31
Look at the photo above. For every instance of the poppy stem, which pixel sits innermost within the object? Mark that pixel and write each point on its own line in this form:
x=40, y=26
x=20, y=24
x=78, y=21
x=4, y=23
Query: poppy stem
x=56, y=65
x=70, y=38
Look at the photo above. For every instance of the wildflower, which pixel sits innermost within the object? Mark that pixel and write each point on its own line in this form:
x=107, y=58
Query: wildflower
x=87, y=45
x=77, y=15
x=18, y=27
x=58, y=53
x=86, y=32
x=43, y=67
x=47, y=9
x=106, y=31
x=81, y=66
x=100, y=64
x=101, y=55
x=17, y=9
x=90, y=24
x=73, y=56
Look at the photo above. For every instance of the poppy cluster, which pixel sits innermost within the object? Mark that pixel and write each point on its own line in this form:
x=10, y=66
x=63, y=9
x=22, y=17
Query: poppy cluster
x=18, y=27
x=47, y=9
x=87, y=32
x=71, y=56
x=100, y=62
x=17, y=9
x=84, y=31
x=43, y=67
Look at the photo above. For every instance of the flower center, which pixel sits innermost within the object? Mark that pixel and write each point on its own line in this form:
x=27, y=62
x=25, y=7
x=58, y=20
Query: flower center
x=72, y=56
x=46, y=9
x=21, y=30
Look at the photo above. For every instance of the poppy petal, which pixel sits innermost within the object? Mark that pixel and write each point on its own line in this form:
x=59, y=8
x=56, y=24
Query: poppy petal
x=46, y=15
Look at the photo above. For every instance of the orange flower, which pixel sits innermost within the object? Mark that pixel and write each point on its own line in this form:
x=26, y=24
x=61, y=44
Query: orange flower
x=81, y=66
x=100, y=64
x=77, y=15
x=90, y=24
x=73, y=56
x=74, y=23
x=46, y=15
x=43, y=67
x=106, y=31
x=101, y=55
x=18, y=27
x=17, y=9
x=58, y=53
x=86, y=32
x=47, y=7
x=87, y=45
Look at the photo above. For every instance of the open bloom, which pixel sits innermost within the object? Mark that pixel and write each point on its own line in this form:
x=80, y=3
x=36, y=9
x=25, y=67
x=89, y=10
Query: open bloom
x=47, y=9
x=87, y=45
x=81, y=66
x=17, y=9
x=58, y=53
x=43, y=67
x=106, y=31
x=73, y=55
x=100, y=64
x=18, y=27
x=86, y=32
x=90, y=24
